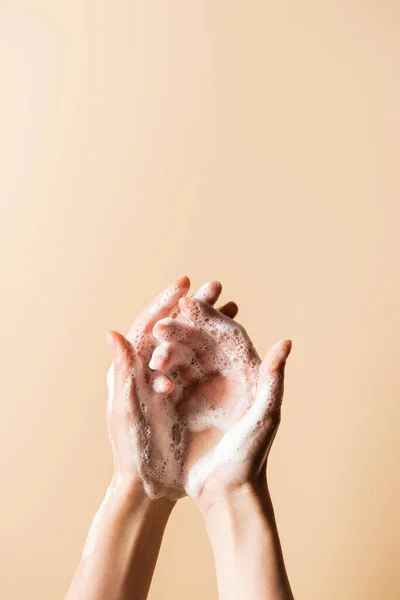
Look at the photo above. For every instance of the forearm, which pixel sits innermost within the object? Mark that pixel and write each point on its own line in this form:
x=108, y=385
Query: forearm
x=247, y=551
x=122, y=546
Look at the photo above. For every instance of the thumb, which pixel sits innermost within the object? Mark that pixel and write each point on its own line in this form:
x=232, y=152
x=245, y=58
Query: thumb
x=271, y=375
x=119, y=376
x=275, y=359
x=120, y=347
x=259, y=424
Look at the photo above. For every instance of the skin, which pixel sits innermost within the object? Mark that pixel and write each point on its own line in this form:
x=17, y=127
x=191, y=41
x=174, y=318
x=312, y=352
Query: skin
x=181, y=361
x=121, y=550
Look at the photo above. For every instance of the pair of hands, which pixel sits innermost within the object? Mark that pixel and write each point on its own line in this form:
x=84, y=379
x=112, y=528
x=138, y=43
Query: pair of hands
x=192, y=410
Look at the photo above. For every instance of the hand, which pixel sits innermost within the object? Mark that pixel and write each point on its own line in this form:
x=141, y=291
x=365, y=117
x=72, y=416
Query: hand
x=228, y=408
x=143, y=425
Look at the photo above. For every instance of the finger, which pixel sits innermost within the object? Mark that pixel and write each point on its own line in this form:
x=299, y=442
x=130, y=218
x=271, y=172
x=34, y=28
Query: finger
x=172, y=330
x=161, y=306
x=230, y=309
x=209, y=292
x=162, y=384
x=161, y=356
x=205, y=316
x=170, y=355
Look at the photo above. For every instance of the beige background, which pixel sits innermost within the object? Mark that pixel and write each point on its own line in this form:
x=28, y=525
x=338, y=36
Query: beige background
x=255, y=142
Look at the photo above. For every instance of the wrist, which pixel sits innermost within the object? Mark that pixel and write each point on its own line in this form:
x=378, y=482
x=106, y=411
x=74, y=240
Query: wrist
x=131, y=494
x=231, y=508
x=244, y=538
